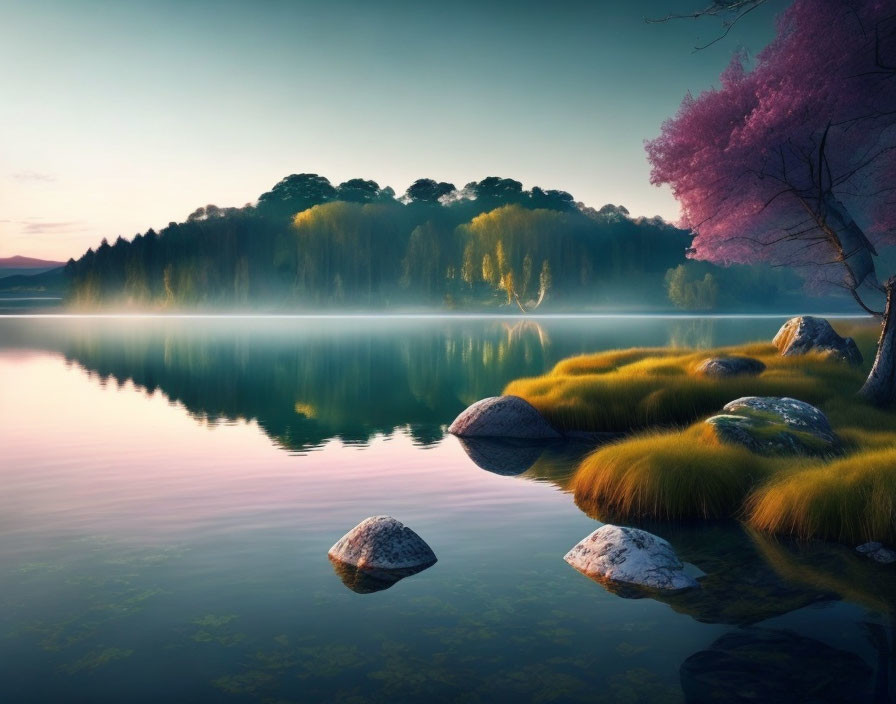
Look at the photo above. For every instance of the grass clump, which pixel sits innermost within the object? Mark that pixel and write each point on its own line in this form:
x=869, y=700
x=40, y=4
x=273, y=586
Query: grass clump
x=673, y=475
x=623, y=391
x=678, y=467
x=849, y=500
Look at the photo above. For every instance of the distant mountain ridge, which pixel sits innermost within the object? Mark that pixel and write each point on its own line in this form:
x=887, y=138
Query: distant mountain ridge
x=42, y=281
x=18, y=261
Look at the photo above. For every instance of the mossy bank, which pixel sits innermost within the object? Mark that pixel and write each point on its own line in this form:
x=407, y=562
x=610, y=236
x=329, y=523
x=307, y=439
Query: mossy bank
x=672, y=465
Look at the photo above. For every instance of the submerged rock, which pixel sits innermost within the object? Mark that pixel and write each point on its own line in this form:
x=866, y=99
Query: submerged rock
x=774, y=667
x=382, y=543
x=809, y=334
x=503, y=417
x=877, y=552
x=770, y=425
x=631, y=556
x=721, y=367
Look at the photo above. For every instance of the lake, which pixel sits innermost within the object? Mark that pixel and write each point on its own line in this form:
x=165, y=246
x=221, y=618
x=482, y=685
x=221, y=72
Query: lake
x=171, y=487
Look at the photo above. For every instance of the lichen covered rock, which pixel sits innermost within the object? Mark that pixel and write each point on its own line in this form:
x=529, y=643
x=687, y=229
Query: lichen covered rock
x=809, y=334
x=720, y=367
x=769, y=425
x=382, y=543
x=631, y=556
x=503, y=417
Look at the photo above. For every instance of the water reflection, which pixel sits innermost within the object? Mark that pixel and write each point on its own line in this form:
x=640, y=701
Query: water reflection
x=548, y=461
x=740, y=587
x=309, y=382
x=367, y=580
x=507, y=457
x=854, y=578
x=696, y=333
x=132, y=551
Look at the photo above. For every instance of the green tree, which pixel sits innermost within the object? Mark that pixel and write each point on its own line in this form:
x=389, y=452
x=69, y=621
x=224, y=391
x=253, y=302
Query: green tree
x=690, y=293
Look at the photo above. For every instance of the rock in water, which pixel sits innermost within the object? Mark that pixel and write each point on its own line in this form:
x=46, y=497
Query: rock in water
x=770, y=425
x=808, y=334
x=754, y=665
x=382, y=543
x=720, y=367
x=629, y=555
x=877, y=552
x=503, y=417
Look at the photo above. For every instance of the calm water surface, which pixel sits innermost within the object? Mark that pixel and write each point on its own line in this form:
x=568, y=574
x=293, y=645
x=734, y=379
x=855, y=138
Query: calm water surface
x=171, y=488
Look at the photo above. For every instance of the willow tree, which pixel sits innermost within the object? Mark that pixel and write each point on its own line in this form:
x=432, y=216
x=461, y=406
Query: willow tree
x=515, y=246
x=793, y=161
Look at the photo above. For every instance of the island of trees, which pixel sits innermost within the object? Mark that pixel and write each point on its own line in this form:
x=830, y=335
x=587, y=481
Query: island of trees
x=307, y=244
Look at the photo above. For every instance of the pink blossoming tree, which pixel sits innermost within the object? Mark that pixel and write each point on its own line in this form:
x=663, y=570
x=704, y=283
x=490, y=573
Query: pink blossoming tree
x=793, y=161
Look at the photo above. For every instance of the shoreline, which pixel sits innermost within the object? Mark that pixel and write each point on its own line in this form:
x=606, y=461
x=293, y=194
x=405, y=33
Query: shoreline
x=437, y=316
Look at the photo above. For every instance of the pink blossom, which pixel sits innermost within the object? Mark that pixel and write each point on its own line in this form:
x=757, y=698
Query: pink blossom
x=794, y=160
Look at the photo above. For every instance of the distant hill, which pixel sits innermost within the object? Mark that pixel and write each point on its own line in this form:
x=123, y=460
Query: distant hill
x=19, y=262
x=46, y=282
x=26, y=266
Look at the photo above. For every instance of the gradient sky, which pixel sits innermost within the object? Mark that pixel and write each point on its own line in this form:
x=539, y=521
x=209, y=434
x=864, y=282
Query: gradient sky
x=117, y=116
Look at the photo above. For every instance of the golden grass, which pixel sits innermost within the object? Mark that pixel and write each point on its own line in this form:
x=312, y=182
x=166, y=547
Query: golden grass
x=668, y=476
x=676, y=468
x=850, y=500
x=622, y=391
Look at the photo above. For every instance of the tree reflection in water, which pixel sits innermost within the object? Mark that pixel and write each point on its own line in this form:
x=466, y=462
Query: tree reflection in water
x=307, y=385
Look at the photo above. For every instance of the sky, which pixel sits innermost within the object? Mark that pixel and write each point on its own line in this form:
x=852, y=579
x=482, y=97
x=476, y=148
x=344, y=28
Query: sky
x=118, y=116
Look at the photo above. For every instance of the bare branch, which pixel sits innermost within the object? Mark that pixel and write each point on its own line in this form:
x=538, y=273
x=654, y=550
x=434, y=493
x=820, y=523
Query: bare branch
x=855, y=294
x=731, y=12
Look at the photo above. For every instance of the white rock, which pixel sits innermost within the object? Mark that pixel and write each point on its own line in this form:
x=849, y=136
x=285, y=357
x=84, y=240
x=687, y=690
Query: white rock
x=632, y=556
x=503, y=417
x=382, y=543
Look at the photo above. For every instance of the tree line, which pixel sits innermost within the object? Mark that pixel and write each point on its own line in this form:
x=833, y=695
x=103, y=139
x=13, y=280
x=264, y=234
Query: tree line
x=307, y=244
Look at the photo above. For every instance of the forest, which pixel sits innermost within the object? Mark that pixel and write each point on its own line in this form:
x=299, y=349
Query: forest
x=307, y=244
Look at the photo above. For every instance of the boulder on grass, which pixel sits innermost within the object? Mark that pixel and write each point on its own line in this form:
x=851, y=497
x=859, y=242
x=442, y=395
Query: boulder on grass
x=630, y=556
x=378, y=552
x=721, y=367
x=503, y=417
x=808, y=334
x=769, y=425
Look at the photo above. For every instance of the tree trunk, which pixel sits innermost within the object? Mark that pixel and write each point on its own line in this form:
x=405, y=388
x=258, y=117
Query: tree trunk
x=880, y=386
x=854, y=247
